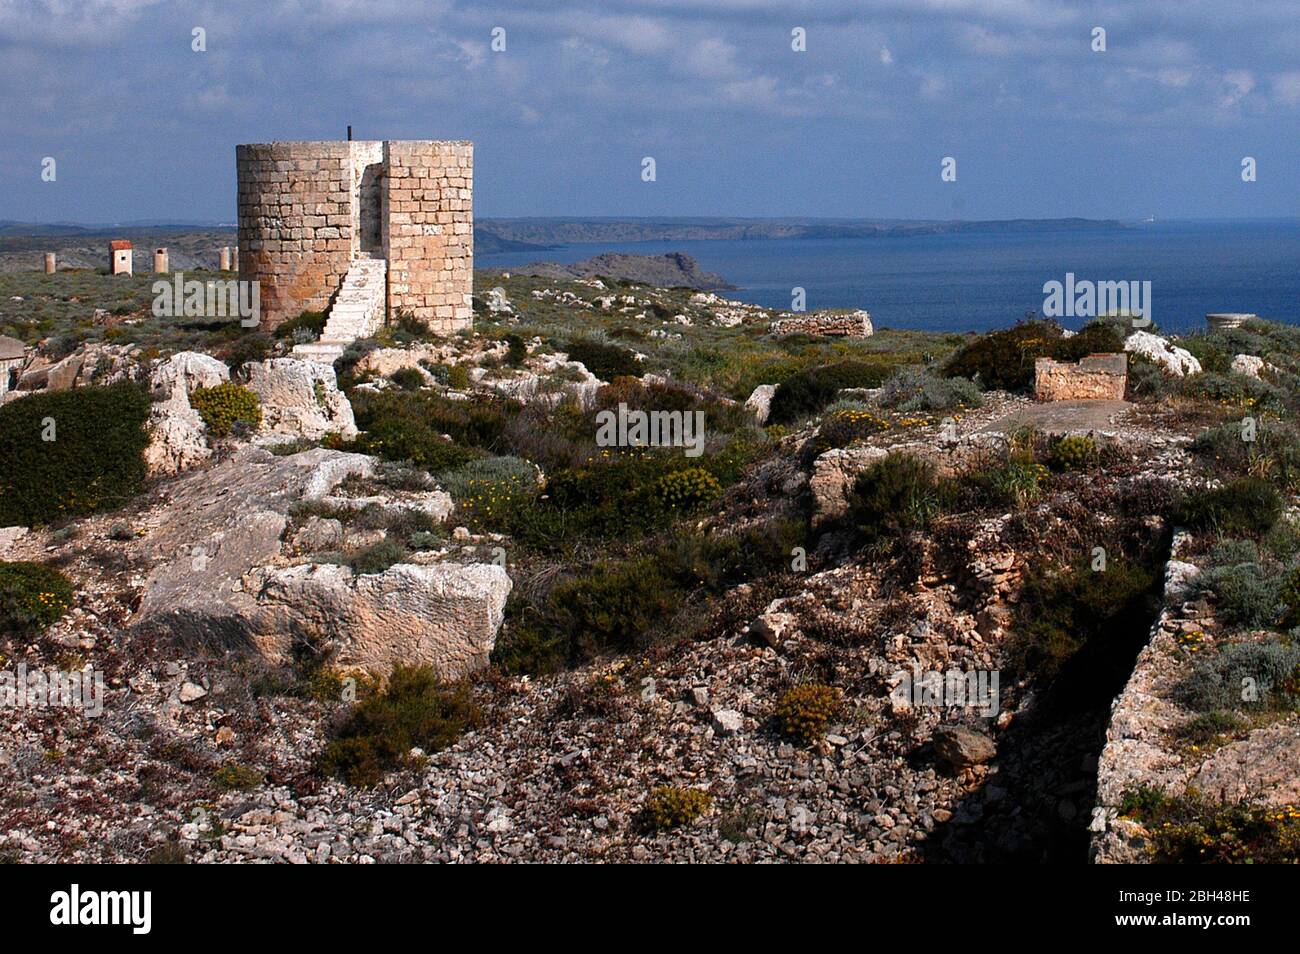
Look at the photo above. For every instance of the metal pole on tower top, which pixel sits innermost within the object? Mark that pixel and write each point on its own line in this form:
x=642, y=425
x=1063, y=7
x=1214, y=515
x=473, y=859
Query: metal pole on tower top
x=349, y=134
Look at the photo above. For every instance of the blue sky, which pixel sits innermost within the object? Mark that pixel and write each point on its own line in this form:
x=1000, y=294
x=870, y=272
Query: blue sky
x=143, y=127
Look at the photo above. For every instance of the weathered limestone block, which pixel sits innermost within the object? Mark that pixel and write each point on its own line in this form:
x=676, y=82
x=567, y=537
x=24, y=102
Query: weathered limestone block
x=1098, y=377
x=300, y=398
x=444, y=615
x=177, y=436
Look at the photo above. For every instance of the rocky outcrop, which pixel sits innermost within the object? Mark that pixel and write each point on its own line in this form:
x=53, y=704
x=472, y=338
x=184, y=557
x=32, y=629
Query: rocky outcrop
x=222, y=580
x=444, y=615
x=177, y=436
x=1248, y=364
x=1174, y=361
x=300, y=398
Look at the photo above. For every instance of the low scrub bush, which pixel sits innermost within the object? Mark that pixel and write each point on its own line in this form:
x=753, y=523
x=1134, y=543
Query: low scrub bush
x=920, y=389
x=670, y=806
x=71, y=453
x=415, y=710
x=308, y=326
x=32, y=597
x=1074, y=452
x=408, y=379
x=844, y=427
x=1244, y=676
x=1246, y=593
x=808, y=392
x=689, y=488
x=410, y=426
x=1192, y=829
x=896, y=495
x=1248, y=506
x=225, y=406
x=804, y=712
x=605, y=361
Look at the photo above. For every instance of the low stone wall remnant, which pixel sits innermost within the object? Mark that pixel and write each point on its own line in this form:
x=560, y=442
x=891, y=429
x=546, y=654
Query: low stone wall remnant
x=1098, y=377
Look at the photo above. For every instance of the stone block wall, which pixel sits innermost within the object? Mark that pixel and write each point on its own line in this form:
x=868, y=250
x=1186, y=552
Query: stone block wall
x=854, y=324
x=429, y=231
x=307, y=210
x=1098, y=377
x=295, y=223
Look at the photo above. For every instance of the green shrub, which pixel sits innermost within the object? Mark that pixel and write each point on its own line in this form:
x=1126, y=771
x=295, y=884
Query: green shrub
x=346, y=364
x=1246, y=593
x=32, y=597
x=895, y=495
x=377, y=557
x=809, y=391
x=415, y=710
x=671, y=807
x=1014, y=482
x=1209, y=728
x=1191, y=829
x=1074, y=452
x=458, y=377
x=93, y=462
x=920, y=389
x=1245, y=676
x=235, y=777
x=310, y=323
x=688, y=488
x=254, y=346
x=408, y=379
x=804, y=712
x=1274, y=453
x=844, y=427
x=225, y=405
x=409, y=426
x=516, y=350
x=605, y=361
x=1248, y=506
x=1236, y=390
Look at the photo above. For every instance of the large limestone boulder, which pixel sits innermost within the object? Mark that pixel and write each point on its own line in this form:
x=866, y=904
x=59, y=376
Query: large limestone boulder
x=759, y=402
x=184, y=373
x=300, y=398
x=221, y=523
x=223, y=577
x=445, y=615
x=1173, y=360
x=1248, y=364
x=177, y=436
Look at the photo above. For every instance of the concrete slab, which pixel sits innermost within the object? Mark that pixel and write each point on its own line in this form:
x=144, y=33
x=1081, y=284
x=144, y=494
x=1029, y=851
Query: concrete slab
x=1063, y=417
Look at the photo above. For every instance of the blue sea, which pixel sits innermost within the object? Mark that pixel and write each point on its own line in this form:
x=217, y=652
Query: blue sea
x=979, y=281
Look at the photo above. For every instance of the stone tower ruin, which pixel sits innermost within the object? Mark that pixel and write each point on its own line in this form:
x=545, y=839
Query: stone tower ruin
x=363, y=229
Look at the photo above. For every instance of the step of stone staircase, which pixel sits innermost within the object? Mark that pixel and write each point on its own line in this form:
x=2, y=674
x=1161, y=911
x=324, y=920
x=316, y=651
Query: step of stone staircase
x=357, y=312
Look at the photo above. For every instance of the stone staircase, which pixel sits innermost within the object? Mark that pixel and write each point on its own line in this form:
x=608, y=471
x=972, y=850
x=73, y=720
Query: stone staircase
x=358, y=311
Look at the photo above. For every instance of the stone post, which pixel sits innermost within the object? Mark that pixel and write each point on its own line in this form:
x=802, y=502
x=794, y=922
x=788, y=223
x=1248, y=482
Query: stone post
x=234, y=258
x=160, y=261
x=51, y=263
x=225, y=258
